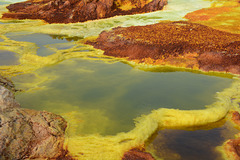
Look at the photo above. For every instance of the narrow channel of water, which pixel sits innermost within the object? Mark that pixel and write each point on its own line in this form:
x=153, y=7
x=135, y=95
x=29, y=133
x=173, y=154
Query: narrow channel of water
x=41, y=40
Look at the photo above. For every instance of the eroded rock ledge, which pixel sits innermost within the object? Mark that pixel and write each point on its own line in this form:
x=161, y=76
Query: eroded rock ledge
x=69, y=11
x=29, y=134
x=181, y=44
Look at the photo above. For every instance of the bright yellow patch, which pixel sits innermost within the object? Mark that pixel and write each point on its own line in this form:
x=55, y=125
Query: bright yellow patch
x=95, y=147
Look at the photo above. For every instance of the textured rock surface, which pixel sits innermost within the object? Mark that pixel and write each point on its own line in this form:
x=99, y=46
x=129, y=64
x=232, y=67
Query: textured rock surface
x=232, y=146
x=180, y=44
x=136, y=154
x=7, y=100
x=67, y=11
x=232, y=149
x=29, y=134
x=6, y=83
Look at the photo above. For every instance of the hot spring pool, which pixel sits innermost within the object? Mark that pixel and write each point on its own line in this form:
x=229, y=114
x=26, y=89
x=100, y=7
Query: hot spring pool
x=101, y=97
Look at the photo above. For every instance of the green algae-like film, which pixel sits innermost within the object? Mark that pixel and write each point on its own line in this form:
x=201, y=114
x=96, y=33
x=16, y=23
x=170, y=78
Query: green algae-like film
x=112, y=105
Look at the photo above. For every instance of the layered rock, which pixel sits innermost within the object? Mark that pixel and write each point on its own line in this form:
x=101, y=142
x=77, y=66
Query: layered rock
x=29, y=134
x=181, y=44
x=68, y=11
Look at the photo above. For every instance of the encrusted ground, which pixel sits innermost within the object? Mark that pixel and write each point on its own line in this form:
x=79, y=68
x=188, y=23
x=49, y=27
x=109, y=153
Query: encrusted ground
x=180, y=44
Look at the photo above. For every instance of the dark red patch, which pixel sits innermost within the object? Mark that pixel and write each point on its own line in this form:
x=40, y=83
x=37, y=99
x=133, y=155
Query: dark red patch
x=137, y=154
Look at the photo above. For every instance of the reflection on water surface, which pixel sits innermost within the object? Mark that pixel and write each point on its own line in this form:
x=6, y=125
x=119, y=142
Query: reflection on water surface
x=41, y=40
x=198, y=144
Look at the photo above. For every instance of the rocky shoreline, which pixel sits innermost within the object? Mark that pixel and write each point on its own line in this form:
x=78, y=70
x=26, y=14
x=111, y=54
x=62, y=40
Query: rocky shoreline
x=70, y=11
x=29, y=134
x=179, y=44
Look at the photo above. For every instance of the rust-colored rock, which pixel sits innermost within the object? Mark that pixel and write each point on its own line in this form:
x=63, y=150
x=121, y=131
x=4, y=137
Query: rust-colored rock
x=137, y=154
x=180, y=43
x=29, y=134
x=236, y=118
x=69, y=11
x=231, y=147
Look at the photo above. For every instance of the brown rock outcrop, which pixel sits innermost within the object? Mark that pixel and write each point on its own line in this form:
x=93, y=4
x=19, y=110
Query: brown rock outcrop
x=69, y=11
x=235, y=118
x=180, y=43
x=231, y=147
x=29, y=134
x=138, y=154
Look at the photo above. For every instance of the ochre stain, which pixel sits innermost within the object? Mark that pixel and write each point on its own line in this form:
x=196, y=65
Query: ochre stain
x=206, y=13
x=180, y=44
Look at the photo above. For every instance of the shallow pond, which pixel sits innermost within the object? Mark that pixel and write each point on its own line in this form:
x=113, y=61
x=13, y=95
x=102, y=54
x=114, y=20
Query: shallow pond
x=96, y=97
x=111, y=95
x=196, y=144
x=8, y=58
x=41, y=40
x=116, y=93
x=102, y=98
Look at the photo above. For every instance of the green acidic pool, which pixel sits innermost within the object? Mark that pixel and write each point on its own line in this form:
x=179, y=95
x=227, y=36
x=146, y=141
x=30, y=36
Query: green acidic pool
x=8, y=58
x=111, y=95
x=100, y=98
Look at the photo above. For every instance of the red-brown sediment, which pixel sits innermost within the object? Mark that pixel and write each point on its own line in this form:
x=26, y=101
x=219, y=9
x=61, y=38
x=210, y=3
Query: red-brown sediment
x=236, y=118
x=137, y=154
x=231, y=147
x=69, y=11
x=207, y=13
x=181, y=44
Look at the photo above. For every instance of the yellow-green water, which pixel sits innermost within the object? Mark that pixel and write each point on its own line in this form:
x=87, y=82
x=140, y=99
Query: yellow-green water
x=101, y=96
x=41, y=40
x=112, y=95
x=96, y=97
x=8, y=58
x=105, y=96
